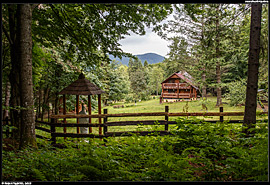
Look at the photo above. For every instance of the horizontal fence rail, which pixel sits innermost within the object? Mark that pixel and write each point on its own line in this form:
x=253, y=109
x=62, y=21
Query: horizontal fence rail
x=126, y=123
x=53, y=124
x=153, y=114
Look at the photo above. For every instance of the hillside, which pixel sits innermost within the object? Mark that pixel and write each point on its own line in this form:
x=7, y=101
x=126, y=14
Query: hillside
x=151, y=58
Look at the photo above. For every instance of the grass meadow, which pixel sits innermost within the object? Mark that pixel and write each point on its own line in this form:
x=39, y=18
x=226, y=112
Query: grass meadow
x=153, y=105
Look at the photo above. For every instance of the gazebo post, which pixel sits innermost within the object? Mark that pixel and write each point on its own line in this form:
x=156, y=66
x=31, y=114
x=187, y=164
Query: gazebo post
x=82, y=86
x=77, y=112
x=89, y=112
x=99, y=112
x=64, y=112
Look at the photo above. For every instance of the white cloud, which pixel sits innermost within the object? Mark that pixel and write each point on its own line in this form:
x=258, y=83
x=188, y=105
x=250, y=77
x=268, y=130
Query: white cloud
x=148, y=43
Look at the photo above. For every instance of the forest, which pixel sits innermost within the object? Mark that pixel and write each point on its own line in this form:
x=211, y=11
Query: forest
x=224, y=47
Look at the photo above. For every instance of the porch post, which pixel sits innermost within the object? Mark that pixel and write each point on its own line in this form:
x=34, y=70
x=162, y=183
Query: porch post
x=99, y=112
x=89, y=112
x=77, y=112
x=64, y=113
x=178, y=90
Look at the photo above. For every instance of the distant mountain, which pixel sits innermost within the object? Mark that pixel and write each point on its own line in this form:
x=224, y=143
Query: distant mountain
x=151, y=58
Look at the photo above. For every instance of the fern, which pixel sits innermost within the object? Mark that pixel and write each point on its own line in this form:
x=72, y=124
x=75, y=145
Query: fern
x=39, y=175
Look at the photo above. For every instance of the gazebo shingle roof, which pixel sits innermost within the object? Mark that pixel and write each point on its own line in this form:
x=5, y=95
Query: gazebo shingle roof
x=82, y=86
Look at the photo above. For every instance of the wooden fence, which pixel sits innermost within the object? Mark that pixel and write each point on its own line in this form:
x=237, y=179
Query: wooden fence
x=106, y=123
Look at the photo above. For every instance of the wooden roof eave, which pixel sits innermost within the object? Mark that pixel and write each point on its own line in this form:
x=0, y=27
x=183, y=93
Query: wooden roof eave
x=182, y=77
x=81, y=86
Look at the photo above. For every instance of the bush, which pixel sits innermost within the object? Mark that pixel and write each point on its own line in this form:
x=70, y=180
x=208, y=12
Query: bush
x=220, y=152
x=129, y=98
x=143, y=158
x=52, y=164
x=145, y=96
x=237, y=92
x=196, y=152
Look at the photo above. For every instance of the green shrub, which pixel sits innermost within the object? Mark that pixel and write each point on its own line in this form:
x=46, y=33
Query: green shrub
x=196, y=152
x=52, y=164
x=237, y=92
x=222, y=152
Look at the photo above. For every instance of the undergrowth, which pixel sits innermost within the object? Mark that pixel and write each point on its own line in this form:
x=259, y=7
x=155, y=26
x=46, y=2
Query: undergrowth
x=196, y=152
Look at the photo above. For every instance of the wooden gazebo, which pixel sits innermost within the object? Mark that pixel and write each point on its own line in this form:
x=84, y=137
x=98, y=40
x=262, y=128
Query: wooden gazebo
x=82, y=86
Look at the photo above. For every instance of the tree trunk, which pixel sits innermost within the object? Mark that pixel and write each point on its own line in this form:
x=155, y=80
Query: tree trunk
x=7, y=98
x=218, y=74
x=204, y=65
x=40, y=103
x=56, y=107
x=27, y=135
x=204, y=85
x=253, y=68
x=157, y=86
x=40, y=93
x=14, y=78
x=45, y=103
x=218, y=71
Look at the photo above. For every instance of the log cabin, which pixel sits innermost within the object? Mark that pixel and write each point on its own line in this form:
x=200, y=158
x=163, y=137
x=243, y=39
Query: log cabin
x=179, y=86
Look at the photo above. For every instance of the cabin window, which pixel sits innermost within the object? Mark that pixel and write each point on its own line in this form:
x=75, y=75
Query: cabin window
x=171, y=81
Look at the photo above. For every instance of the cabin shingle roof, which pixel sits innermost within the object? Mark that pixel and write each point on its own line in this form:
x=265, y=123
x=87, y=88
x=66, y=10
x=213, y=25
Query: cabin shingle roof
x=185, y=76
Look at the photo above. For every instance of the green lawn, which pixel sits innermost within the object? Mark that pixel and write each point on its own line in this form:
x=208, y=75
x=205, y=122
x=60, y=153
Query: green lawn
x=201, y=152
x=154, y=106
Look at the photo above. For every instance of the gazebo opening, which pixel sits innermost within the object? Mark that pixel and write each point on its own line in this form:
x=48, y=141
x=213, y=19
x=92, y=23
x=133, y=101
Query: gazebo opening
x=82, y=86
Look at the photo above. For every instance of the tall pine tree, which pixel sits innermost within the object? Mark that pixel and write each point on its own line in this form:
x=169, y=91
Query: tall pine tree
x=253, y=67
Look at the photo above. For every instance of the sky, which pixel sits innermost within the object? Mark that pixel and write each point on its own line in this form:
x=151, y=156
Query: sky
x=148, y=43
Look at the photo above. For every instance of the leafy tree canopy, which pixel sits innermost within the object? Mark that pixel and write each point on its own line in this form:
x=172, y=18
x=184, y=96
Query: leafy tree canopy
x=82, y=29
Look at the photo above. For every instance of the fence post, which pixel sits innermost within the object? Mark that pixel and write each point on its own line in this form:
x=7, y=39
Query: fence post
x=221, y=119
x=53, y=139
x=166, y=118
x=105, y=121
x=105, y=129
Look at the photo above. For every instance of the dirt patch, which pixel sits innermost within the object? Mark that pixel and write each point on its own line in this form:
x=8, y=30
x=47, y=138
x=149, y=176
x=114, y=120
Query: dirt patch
x=118, y=106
